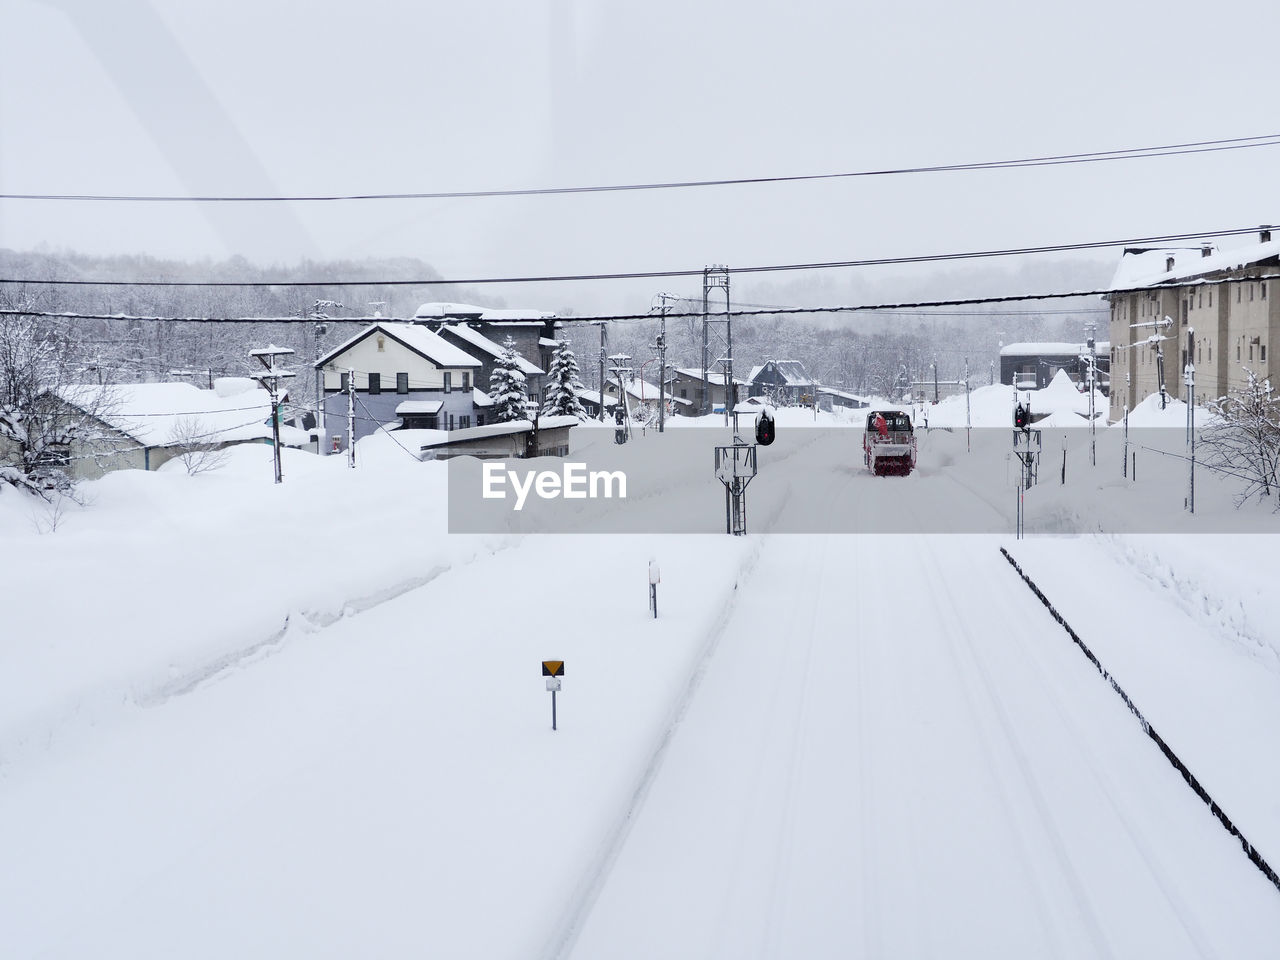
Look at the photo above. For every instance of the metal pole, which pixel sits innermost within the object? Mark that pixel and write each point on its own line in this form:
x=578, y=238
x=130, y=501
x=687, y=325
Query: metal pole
x=728, y=373
x=662, y=368
x=705, y=407
x=602, y=352
x=553, y=709
x=968, y=413
x=1093, y=380
x=935, y=380
x=1191, y=414
x=275, y=422
x=351, y=418
x=1125, y=459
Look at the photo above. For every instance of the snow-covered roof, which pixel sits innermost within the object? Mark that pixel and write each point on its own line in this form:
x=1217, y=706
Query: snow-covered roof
x=593, y=396
x=1052, y=349
x=644, y=390
x=480, y=398
x=418, y=406
x=430, y=311
x=499, y=429
x=414, y=336
x=717, y=376
x=478, y=340
x=1148, y=267
x=792, y=371
x=154, y=414
x=833, y=392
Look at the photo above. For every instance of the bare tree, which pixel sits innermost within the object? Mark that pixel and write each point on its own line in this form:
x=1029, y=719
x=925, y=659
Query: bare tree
x=1244, y=441
x=48, y=415
x=198, y=453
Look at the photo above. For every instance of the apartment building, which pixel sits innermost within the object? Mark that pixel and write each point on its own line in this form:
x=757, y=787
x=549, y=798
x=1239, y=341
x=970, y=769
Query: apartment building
x=1215, y=307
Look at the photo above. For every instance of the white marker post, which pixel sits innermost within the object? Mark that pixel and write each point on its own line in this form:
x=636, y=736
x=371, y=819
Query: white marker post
x=655, y=577
x=553, y=670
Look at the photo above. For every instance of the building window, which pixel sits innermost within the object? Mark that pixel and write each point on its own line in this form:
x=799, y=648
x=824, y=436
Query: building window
x=1263, y=348
x=382, y=343
x=1237, y=293
x=344, y=384
x=1211, y=353
x=1237, y=351
x=375, y=383
x=464, y=421
x=1263, y=286
x=1251, y=293
x=1197, y=356
x=1251, y=351
x=684, y=394
x=448, y=382
x=402, y=383
x=1211, y=298
x=451, y=421
x=466, y=380
x=479, y=419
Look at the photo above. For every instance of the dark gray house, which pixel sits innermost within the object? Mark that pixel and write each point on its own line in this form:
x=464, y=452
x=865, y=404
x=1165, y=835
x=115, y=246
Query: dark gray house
x=783, y=381
x=470, y=340
x=533, y=331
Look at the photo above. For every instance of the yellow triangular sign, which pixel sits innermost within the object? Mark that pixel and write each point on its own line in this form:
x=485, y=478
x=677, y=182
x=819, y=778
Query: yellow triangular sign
x=553, y=668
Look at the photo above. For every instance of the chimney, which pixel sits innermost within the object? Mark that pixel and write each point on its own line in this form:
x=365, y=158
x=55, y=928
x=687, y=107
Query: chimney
x=1265, y=232
x=1206, y=249
x=1168, y=264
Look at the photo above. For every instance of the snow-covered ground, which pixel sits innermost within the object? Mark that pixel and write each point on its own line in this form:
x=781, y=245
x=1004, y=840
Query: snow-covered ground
x=241, y=719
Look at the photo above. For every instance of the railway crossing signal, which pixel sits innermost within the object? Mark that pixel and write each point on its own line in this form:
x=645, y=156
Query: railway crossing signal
x=1021, y=417
x=765, y=428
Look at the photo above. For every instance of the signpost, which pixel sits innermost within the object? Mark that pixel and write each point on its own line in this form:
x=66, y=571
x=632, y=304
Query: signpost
x=655, y=577
x=553, y=670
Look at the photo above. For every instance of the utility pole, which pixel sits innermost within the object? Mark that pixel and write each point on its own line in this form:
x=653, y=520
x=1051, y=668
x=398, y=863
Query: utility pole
x=622, y=371
x=603, y=339
x=351, y=418
x=968, y=414
x=1189, y=373
x=271, y=380
x=1092, y=361
x=662, y=361
x=318, y=316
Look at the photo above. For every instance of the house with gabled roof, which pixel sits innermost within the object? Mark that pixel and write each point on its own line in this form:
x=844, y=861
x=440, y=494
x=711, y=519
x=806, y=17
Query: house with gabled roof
x=783, y=381
x=689, y=383
x=1221, y=315
x=392, y=363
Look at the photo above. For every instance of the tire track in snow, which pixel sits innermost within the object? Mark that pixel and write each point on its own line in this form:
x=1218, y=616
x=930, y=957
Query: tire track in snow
x=939, y=586
x=783, y=854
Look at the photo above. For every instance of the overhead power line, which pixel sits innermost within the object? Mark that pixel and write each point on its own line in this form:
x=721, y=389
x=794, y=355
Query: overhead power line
x=1099, y=156
x=771, y=311
x=650, y=274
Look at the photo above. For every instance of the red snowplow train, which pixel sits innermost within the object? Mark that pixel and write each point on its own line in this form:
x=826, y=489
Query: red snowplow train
x=889, y=444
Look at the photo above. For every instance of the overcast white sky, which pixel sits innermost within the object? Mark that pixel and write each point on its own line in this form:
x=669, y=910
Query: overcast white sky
x=281, y=97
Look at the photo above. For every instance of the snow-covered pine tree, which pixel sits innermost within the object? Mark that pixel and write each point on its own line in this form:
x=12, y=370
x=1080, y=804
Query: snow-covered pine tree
x=563, y=384
x=507, y=386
